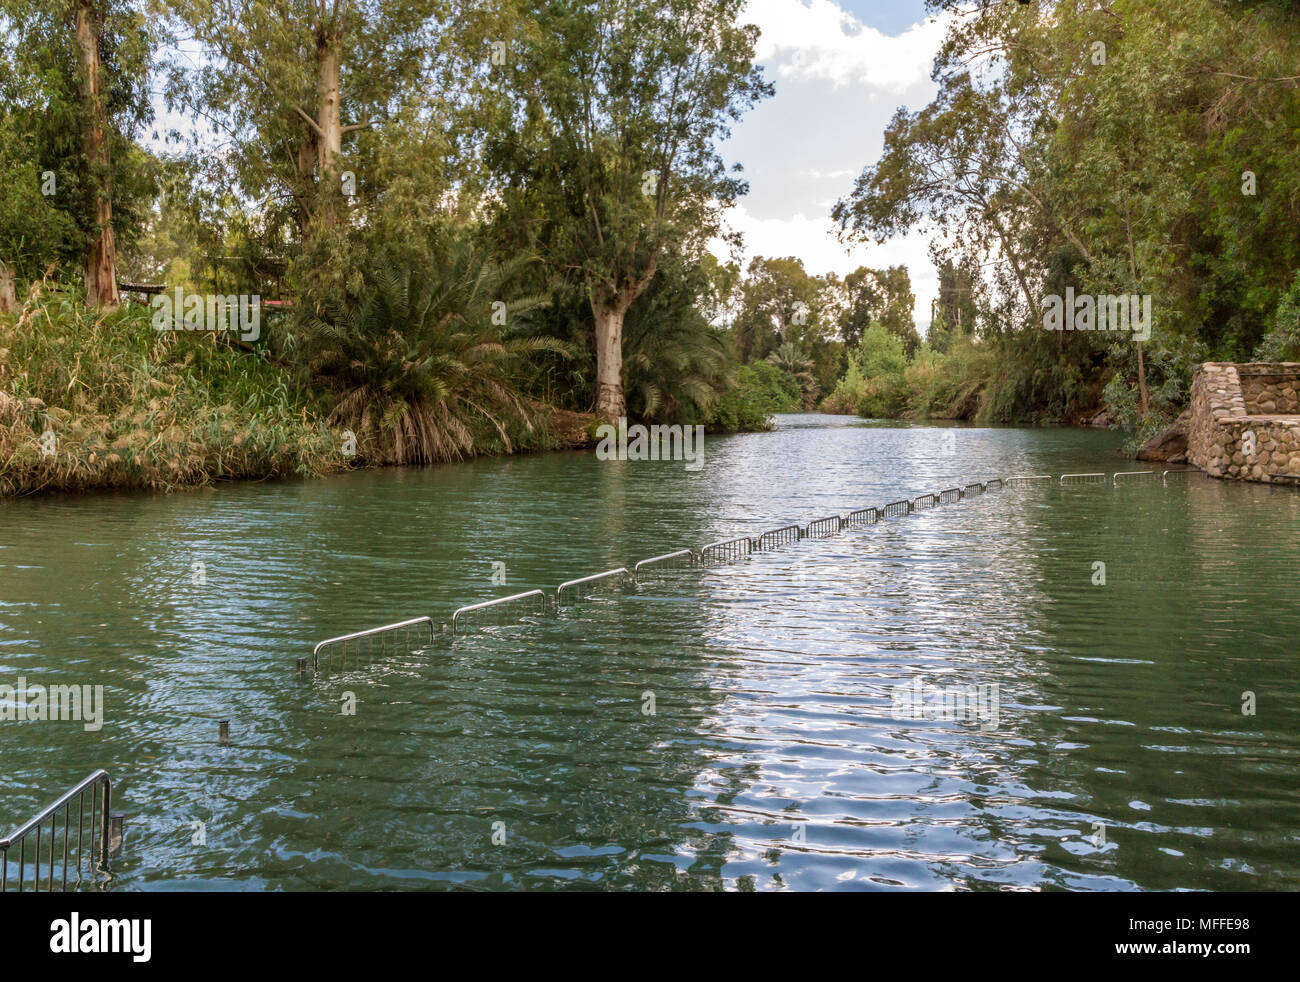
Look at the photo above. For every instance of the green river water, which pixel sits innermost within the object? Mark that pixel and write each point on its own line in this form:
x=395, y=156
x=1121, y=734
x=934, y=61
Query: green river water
x=521, y=756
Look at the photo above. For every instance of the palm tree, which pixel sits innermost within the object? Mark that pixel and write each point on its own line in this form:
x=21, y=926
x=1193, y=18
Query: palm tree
x=790, y=359
x=424, y=373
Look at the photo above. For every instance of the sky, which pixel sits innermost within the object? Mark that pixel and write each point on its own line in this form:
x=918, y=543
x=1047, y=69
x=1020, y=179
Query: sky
x=841, y=70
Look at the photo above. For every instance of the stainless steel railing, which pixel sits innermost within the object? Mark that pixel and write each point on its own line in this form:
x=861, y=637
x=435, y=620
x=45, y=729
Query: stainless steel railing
x=821, y=527
x=778, y=537
x=619, y=573
x=739, y=547
x=863, y=516
x=1132, y=474
x=1083, y=478
x=681, y=559
x=515, y=598
x=726, y=550
x=100, y=821
x=1026, y=480
x=380, y=633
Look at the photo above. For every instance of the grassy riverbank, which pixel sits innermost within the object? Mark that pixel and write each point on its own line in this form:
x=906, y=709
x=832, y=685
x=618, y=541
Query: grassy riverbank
x=98, y=399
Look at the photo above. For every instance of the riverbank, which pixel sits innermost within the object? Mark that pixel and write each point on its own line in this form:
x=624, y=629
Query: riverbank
x=100, y=400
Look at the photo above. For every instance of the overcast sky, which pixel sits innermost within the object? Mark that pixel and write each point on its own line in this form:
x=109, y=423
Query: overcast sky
x=841, y=68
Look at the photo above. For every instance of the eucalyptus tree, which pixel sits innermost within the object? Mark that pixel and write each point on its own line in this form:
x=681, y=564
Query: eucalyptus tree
x=293, y=85
x=75, y=93
x=603, y=142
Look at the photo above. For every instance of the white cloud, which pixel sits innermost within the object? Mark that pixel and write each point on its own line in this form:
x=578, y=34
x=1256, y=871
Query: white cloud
x=823, y=41
x=813, y=241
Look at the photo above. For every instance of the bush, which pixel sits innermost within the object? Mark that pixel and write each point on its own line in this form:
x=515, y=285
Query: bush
x=131, y=407
x=1282, y=342
x=761, y=389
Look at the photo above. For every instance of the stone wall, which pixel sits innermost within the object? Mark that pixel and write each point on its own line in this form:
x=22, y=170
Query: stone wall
x=1270, y=390
x=1245, y=421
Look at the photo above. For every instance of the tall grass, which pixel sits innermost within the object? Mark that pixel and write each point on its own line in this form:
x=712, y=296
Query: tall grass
x=131, y=407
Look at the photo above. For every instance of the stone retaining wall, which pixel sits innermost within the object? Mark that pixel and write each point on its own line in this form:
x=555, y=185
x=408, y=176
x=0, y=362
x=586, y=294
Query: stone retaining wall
x=1246, y=421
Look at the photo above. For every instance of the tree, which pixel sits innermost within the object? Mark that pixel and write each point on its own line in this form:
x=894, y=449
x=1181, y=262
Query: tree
x=604, y=143
x=76, y=82
x=292, y=84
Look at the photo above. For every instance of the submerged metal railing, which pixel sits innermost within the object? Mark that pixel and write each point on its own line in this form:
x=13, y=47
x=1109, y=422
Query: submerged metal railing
x=740, y=547
x=620, y=573
x=822, y=527
x=778, y=537
x=1026, y=480
x=863, y=516
x=726, y=550
x=681, y=559
x=101, y=819
x=527, y=595
x=380, y=633
x=1129, y=474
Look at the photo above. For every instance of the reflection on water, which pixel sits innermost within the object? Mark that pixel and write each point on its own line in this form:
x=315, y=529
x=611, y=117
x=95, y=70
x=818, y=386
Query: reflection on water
x=722, y=728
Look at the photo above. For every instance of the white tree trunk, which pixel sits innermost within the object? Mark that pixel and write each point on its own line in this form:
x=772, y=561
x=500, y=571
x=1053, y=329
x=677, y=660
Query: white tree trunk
x=8, y=299
x=329, y=141
x=610, y=401
x=101, y=259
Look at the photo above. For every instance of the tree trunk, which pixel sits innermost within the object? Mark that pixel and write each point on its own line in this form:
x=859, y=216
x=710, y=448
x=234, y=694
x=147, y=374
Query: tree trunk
x=1133, y=272
x=610, y=401
x=306, y=190
x=8, y=299
x=101, y=259
x=1142, y=383
x=329, y=139
x=609, y=307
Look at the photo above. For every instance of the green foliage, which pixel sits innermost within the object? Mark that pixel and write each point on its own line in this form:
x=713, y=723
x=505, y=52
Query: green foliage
x=421, y=372
x=675, y=365
x=761, y=389
x=1282, y=343
x=131, y=407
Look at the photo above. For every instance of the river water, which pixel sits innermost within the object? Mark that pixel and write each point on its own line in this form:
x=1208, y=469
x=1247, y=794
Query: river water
x=727, y=728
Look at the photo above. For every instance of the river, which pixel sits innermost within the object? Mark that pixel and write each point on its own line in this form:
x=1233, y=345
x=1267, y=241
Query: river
x=726, y=728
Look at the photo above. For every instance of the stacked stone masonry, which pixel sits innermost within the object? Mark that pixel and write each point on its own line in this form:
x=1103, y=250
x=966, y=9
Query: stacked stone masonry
x=1246, y=421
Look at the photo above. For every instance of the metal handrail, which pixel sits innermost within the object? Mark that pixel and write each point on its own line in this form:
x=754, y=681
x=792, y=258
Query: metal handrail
x=731, y=546
x=1027, y=479
x=973, y=489
x=924, y=501
x=786, y=533
x=949, y=495
x=892, y=510
x=50, y=811
x=864, y=516
x=666, y=557
x=823, y=526
x=620, y=571
x=356, y=635
x=1094, y=478
x=1119, y=474
x=995, y=484
x=493, y=603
